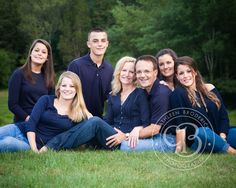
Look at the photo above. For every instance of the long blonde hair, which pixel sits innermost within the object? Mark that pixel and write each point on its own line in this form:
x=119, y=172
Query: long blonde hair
x=200, y=84
x=78, y=110
x=116, y=84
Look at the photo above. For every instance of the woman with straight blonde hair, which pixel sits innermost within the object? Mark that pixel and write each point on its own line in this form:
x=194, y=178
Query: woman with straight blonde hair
x=56, y=121
x=128, y=109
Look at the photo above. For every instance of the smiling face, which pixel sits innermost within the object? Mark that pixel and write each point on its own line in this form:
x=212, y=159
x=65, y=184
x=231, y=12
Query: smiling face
x=186, y=76
x=127, y=74
x=166, y=65
x=145, y=73
x=98, y=43
x=39, y=54
x=67, y=89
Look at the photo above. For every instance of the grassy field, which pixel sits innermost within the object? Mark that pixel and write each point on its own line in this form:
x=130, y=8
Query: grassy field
x=88, y=168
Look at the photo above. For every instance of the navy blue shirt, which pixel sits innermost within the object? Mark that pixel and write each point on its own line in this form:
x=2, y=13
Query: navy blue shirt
x=96, y=82
x=158, y=101
x=45, y=121
x=218, y=118
x=133, y=112
x=23, y=94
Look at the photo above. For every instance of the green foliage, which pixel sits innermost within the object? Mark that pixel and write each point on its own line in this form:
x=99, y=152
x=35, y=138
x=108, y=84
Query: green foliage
x=7, y=60
x=6, y=116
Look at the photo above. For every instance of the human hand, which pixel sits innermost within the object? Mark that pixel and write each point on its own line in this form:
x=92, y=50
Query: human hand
x=223, y=135
x=115, y=139
x=43, y=149
x=134, y=137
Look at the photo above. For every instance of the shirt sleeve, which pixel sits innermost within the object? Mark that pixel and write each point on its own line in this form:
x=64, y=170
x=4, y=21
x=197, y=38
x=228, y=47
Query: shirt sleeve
x=14, y=89
x=73, y=67
x=160, y=106
x=224, y=118
x=109, y=117
x=144, y=109
x=37, y=111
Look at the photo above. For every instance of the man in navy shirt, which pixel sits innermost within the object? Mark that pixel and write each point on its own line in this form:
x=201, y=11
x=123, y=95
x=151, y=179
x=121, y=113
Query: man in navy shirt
x=158, y=97
x=95, y=73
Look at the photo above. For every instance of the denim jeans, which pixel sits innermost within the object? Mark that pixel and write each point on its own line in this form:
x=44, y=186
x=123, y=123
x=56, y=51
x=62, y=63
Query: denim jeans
x=159, y=142
x=206, y=140
x=231, y=137
x=82, y=133
x=12, y=139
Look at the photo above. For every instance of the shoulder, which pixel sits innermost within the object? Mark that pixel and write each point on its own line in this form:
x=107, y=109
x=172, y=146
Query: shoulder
x=179, y=91
x=46, y=98
x=18, y=72
x=209, y=86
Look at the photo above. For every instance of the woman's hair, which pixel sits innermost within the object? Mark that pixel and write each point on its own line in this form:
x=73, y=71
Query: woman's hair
x=161, y=53
x=78, y=110
x=200, y=84
x=47, y=68
x=116, y=84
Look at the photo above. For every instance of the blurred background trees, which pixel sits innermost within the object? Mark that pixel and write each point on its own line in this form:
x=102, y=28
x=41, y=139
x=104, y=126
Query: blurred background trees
x=203, y=29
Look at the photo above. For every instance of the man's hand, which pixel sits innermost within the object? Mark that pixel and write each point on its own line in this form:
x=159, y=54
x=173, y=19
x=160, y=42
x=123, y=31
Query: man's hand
x=134, y=137
x=115, y=139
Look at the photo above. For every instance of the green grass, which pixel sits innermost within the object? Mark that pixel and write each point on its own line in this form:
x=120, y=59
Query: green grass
x=110, y=169
x=90, y=168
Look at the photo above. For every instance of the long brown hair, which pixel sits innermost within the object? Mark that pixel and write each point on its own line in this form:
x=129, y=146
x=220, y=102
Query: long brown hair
x=47, y=68
x=200, y=84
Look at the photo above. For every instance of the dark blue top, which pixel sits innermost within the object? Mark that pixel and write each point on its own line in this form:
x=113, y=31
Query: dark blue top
x=22, y=94
x=96, y=82
x=158, y=101
x=45, y=121
x=218, y=119
x=133, y=112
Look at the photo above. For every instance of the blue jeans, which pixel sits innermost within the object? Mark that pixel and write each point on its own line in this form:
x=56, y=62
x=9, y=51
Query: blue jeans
x=159, y=142
x=12, y=139
x=91, y=129
x=231, y=137
x=206, y=140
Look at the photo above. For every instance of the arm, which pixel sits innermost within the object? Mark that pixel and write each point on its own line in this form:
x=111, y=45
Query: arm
x=159, y=106
x=32, y=141
x=109, y=117
x=14, y=89
x=31, y=125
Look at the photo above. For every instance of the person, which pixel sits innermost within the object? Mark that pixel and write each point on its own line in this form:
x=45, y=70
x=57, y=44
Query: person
x=128, y=109
x=193, y=93
x=50, y=116
x=95, y=72
x=127, y=112
x=29, y=82
x=151, y=137
x=165, y=60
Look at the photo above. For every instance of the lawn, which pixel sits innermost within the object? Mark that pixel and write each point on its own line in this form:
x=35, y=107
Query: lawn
x=88, y=168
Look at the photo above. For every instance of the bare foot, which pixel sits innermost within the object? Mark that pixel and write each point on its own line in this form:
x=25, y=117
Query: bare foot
x=231, y=150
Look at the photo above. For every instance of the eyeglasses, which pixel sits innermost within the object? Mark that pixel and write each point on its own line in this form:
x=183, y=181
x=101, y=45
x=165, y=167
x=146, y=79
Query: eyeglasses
x=146, y=72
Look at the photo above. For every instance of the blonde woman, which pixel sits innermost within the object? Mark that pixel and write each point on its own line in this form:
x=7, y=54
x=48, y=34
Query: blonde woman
x=128, y=109
x=51, y=116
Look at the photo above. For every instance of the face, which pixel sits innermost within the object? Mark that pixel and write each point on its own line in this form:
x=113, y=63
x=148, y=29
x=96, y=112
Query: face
x=39, y=54
x=97, y=43
x=67, y=89
x=186, y=76
x=145, y=74
x=166, y=65
x=127, y=74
